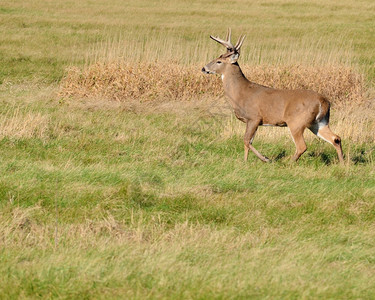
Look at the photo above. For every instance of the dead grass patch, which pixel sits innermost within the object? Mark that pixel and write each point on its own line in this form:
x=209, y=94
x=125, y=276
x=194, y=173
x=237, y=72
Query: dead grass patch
x=157, y=81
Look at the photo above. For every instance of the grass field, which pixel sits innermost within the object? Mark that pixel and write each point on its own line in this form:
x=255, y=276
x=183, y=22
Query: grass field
x=107, y=193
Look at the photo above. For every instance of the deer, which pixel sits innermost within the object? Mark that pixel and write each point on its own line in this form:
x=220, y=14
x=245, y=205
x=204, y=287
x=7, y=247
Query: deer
x=257, y=105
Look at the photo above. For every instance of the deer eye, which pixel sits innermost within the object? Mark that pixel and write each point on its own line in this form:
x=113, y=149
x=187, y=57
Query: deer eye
x=219, y=62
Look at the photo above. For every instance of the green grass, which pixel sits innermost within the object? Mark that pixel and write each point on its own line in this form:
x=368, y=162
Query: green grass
x=127, y=200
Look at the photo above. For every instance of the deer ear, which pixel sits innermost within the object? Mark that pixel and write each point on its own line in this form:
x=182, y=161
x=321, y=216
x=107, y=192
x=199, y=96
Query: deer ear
x=233, y=58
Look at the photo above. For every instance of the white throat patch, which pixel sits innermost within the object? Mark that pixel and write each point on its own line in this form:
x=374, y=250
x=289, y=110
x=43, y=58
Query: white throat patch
x=222, y=77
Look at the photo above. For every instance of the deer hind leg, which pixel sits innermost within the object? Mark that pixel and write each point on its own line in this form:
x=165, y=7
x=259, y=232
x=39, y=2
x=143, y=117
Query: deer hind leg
x=251, y=128
x=326, y=134
x=299, y=141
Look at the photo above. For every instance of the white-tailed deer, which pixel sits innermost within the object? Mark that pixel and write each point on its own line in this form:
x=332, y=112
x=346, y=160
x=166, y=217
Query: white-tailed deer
x=257, y=105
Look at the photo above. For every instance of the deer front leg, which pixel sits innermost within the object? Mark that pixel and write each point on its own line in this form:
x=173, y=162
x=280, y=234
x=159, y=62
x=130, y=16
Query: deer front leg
x=251, y=128
x=299, y=141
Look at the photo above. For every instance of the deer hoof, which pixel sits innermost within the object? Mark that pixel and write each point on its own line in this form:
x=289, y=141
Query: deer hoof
x=267, y=160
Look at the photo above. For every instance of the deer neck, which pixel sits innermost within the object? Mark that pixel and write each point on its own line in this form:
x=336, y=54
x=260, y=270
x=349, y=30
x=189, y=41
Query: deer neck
x=234, y=81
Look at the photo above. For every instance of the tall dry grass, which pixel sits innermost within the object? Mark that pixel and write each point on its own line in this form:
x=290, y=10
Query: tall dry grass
x=17, y=122
x=172, y=81
x=195, y=47
x=166, y=64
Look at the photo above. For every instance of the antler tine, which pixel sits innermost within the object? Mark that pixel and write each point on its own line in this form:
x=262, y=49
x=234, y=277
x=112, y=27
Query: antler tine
x=239, y=43
x=229, y=35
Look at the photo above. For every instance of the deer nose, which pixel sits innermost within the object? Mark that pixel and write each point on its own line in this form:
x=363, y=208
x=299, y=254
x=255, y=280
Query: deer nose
x=204, y=70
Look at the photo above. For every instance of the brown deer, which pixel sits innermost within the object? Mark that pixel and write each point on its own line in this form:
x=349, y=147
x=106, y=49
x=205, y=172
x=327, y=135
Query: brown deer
x=257, y=105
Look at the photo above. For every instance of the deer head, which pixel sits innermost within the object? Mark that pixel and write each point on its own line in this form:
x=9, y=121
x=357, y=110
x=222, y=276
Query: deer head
x=218, y=65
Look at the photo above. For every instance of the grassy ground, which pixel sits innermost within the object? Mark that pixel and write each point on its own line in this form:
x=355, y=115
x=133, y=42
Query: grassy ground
x=102, y=199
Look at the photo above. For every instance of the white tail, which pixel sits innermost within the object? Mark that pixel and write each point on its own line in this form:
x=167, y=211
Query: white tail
x=257, y=105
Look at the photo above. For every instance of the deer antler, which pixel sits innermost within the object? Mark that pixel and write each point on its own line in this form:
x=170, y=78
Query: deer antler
x=228, y=43
x=239, y=43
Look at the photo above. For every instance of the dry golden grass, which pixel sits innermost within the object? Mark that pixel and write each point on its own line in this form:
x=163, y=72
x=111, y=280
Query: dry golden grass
x=161, y=81
x=356, y=123
x=144, y=82
x=18, y=123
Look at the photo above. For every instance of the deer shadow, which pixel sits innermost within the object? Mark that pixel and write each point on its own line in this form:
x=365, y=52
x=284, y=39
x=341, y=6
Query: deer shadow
x=324, y=157
x=361, y=157
x=280, y=156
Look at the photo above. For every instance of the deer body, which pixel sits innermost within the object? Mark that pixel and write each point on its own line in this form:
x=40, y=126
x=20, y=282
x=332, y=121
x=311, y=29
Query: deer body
x=258, y=105
x=270, y=106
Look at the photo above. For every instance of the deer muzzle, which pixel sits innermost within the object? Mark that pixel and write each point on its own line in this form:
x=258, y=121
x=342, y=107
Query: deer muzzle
x=204, y=70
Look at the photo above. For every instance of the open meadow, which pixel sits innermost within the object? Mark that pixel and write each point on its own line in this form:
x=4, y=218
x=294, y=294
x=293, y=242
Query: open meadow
x=122, y=164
